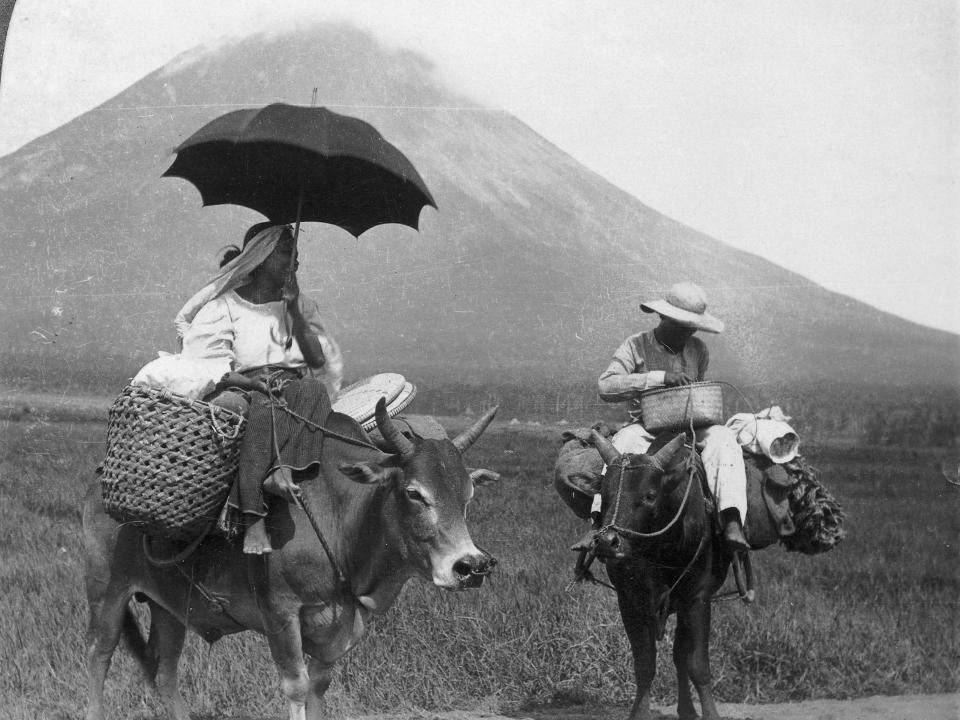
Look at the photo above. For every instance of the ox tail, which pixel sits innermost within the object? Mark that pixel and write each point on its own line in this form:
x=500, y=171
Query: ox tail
x=136, y=643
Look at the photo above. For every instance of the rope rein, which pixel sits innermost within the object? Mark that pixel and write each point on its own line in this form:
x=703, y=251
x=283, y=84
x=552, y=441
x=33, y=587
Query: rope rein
x=298, y=501
x=275, y=383
x=664, y=598
x=691, y=471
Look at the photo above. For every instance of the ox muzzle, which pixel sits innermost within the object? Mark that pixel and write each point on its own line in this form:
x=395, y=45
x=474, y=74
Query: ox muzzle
x=470, y=569
x=605, y=545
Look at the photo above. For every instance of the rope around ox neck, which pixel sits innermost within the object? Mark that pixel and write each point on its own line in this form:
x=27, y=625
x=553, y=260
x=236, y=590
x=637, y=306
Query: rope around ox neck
x=298, y=501
x=691, y=469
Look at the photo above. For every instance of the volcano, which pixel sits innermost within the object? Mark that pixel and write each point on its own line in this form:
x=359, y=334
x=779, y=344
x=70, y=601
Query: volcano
x=533, y=266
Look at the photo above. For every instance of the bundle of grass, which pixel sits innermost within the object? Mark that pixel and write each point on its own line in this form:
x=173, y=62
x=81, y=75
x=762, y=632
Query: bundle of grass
x=816, y=514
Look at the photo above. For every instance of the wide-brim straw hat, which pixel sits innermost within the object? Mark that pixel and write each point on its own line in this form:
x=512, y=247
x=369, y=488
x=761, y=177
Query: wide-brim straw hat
x=685, y=303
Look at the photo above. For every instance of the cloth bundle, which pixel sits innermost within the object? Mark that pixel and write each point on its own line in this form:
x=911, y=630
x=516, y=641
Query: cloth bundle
x=188, y=377
x=766, y=433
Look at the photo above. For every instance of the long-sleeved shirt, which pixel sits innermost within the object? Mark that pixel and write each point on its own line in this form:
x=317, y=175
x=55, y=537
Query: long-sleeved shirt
x=641, y=362
x=249, y=335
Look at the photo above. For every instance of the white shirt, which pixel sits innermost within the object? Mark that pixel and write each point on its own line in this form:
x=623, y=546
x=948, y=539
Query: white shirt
x=248, y=336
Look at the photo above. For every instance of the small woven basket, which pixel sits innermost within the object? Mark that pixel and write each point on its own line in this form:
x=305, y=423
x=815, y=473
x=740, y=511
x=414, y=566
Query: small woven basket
x=677, y=408
x=170, y=461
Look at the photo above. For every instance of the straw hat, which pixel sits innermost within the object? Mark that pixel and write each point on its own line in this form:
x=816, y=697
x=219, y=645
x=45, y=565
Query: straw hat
x=687, y=304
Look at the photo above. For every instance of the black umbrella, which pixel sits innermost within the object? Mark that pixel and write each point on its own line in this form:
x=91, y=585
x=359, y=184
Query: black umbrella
x=310, y=164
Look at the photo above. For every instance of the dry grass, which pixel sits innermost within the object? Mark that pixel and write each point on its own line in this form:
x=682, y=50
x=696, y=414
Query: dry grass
x=876, y=615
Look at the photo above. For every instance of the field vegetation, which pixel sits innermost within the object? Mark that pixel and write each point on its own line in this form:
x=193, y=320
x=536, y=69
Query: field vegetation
x=865, y=414
x=877, y=615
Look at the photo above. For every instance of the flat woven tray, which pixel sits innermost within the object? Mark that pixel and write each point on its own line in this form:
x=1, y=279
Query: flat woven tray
x=170, y=461
x=359, y=400
x=395, y=406
x=677, y=408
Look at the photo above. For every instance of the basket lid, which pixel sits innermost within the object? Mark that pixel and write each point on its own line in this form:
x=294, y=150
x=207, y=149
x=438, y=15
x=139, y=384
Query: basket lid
x=394, y=408
x=359, y=400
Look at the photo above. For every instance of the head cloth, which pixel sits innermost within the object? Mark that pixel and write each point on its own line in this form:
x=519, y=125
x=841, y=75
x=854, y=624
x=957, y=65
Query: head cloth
x=232, y=275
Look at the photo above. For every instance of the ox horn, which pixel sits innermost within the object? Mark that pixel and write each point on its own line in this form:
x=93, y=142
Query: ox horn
x=390, y=433
x=665, y=454
x=607, y=451
x=468, y=437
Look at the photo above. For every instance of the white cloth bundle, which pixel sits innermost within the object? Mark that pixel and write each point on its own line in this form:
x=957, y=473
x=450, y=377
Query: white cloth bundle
x=766, y=433
x=188, y=377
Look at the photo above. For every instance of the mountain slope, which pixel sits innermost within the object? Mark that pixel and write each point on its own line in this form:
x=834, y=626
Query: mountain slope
x=533, y=266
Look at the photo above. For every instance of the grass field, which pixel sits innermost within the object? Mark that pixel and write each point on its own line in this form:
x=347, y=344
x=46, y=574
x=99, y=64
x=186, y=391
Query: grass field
x=878, y=615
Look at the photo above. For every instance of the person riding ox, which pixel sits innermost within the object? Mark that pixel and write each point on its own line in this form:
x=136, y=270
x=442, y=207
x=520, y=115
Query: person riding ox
x=368, y=521
x=656, y=539
x=253, y=324
x=670, y=355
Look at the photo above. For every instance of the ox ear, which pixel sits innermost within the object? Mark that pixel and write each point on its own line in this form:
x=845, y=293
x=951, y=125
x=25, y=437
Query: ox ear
x=588, y=484
x=368, y=473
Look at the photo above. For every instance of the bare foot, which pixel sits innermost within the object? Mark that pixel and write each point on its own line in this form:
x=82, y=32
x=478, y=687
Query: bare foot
x=280, y=482
x=255, y=539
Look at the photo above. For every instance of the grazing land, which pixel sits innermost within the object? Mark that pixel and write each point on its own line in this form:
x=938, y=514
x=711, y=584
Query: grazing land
x=876, y=616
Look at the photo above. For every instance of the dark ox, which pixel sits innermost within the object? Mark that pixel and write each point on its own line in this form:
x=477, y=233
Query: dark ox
x=658, y=545
x=386, y=517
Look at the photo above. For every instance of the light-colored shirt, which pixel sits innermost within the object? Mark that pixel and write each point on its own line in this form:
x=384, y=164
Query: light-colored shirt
x=250, y=335
x=641, y=362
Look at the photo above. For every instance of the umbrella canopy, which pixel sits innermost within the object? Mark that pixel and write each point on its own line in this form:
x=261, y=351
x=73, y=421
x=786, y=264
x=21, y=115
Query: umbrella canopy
x=310, y=164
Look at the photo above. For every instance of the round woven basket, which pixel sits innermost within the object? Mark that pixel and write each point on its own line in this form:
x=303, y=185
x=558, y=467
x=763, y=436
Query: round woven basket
x=170, y=461
x=395, y=406
x=677, y=408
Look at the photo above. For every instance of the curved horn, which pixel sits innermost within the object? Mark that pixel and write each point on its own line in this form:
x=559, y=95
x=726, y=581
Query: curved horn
x=468, y=437
x=665, y=454
x=607, y=451
x=390, y=432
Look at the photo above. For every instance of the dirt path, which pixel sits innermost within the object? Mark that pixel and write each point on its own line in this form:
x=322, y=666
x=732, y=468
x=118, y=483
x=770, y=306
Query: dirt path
x=878, y=707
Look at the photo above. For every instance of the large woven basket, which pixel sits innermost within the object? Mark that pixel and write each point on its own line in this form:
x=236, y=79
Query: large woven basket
x=170, y=461
x=678, y=408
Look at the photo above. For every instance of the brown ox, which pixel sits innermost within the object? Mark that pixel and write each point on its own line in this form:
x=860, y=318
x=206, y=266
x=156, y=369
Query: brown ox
x=386, y=517
x=658, y=545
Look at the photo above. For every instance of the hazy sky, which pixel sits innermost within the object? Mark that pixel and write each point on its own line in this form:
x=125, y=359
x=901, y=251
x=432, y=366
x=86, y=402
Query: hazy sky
x=820, y=134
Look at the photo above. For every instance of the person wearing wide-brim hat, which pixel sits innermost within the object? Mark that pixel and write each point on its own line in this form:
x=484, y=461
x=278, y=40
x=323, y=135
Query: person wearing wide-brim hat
x=670, y=355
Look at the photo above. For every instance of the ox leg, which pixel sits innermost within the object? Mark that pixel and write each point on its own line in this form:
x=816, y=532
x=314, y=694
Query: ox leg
x=321, y=673
x=682, y=648
x=692, y=660
x=103, y=633
x=640, y=632
x=287, y=651
x=164, y=647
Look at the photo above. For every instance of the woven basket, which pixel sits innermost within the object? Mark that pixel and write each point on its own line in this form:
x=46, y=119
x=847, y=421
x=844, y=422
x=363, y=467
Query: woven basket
x=677, y=408
x=170, y=461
